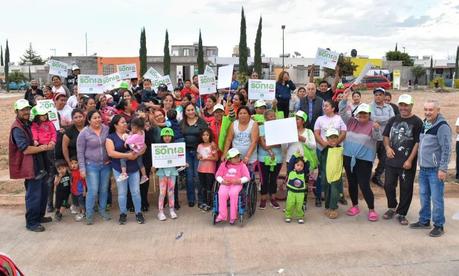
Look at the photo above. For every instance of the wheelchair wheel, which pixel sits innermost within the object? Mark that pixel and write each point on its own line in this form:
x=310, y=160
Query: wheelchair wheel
x=251, y=198
x=254, y=201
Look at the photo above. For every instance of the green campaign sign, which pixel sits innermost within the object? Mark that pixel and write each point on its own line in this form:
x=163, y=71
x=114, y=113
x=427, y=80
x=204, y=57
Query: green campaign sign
x=58, y=68
x=127, y=71
x=167, y=155
x=90, y=84
x=52, y=111
x=262, y=89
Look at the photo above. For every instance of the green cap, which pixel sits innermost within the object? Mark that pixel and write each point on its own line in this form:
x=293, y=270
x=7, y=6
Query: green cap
x=37, y=111
x=340, y=85
x=302, y=115
x=167, y=131
x=21, y=104
x=124, y=85
x=232, y=153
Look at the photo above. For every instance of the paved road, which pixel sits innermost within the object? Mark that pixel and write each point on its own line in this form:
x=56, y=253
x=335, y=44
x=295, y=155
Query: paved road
x=266, y=245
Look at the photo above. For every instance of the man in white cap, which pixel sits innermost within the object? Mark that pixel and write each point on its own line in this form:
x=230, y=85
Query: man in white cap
x=401, y=141
x=23, y=165
x=72, y=80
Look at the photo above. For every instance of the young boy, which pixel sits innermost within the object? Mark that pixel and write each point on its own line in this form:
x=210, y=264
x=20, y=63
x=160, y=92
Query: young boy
x=62, y=187
x=296, y=187
x=78, y=189
x=332, y=160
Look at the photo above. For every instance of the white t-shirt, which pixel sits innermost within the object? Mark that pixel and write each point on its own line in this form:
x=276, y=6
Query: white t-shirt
x=72, y=102
x=298, y=146
x=457, y=125
x=66, y=115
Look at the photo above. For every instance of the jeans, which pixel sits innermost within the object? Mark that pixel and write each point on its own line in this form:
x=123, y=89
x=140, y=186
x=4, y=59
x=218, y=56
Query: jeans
x=134, y=187
x=431, y=188
x=97, y=178
x=35, y=199
x=191, y=175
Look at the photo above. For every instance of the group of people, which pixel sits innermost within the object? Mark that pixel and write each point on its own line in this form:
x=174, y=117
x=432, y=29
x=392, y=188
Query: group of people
x=106, y=138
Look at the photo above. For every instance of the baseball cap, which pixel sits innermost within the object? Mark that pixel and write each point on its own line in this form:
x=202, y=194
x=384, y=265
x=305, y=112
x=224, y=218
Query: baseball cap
x=21, y=104
x=124, y=85
x=75, y=67
x=363, y=107
x=379, y=90
x=331, y=132
x=406, y=99
x=302, y=115
x=260, y=103
x=167, y=131
x=58, y=95
x=37, y=111
x=219, y=107
x=232, y=153
x=162, y=87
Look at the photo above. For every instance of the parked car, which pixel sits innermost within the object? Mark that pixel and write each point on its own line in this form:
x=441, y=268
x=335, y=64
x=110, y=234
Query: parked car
x=18, y=85
x=371, y=82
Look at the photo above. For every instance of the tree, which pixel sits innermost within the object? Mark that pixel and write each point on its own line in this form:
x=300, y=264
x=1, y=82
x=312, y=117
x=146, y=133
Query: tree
x=143, y=52
x=1, y=56
x=397, y=55
x=431, y=75
x=167, y=57
x=418, y=71
x=7, y=63
x=257, y=57
x=16, y=76
x=31, y=56
x=457, y=63
x=243, y=51
x=396, y=47
x=200, y=55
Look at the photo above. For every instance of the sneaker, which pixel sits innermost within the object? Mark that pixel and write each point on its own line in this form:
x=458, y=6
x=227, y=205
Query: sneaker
x=73, y=210
x=105, y=216
x=353, y=211
x=38, y=228
x=79, y=217
x=377, y=181
x=144, y=179
x=206, y=207
x=437, y=232
x=191, y=204
x=139, y=218
x=274, y=204
x=373, y=216
x=288, y=220
x=46, y=219
x=201, y=206
x=262, y=204
x=89, y=221
x=172, y=213
x=50, y=209
x=300, y=221
x=161, y=216
x=123, y=219
x=122, y=177
x=419, y=225
x=318, y=202
x=58, y=216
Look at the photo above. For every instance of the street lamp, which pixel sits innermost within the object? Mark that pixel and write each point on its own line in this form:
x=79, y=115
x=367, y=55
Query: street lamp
x=283, y=55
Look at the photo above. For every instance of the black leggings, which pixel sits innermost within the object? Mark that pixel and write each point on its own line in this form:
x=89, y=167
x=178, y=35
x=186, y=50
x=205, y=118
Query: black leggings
x=206, y=182
x=269, y=179
x=359, y=177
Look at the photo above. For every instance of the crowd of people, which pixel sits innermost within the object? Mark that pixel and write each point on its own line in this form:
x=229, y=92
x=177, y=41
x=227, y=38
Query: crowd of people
x=106, y=139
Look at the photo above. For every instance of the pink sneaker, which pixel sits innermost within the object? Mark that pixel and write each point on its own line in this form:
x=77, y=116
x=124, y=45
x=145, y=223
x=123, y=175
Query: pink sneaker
x=373, y=216
x=353, y=211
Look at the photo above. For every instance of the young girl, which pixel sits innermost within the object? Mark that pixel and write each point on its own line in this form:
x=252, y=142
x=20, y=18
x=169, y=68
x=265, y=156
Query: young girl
x=298, y=171
x=167, y=178
x=78, y=188
x=231, y=175
x=136, y=142
x=44, y=133
x=207, y=156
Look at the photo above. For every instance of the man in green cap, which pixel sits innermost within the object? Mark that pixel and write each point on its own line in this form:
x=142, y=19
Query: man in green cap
x=23, y=165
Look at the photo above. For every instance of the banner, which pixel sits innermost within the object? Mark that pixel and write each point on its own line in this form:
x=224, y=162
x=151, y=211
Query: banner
x=262, y=89
x=225, y=76
x=396, y=79
x=127, y=71
x=168, y=155
x=209, y=71
x=152, y=74
x=281, y=131
x=49, y=106
x=207, y=84
x=112, y=81
x=157, y=79
x=58, y=68
x=90, y=84
x=326, y=58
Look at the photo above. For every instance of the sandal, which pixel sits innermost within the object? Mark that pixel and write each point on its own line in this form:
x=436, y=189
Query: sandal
x=389, y=214
x=402, y=220
x=372, y=216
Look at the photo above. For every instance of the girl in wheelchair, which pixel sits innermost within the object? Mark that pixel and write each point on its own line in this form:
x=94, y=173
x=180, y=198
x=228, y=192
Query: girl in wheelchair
x=231, y=175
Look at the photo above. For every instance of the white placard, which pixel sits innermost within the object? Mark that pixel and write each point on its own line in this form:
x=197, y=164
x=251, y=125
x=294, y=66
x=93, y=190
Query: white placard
x=127, y=71
x=262, y=89
x=58, y=68
x=326, y=58
x=207, y=84
x=281, y=131
x=363, y=73
x=225, y=76
x=49, y=106
x=167, y=155
x=209, y=71
x=112, y=81
x=152, y=74
x=90, y=84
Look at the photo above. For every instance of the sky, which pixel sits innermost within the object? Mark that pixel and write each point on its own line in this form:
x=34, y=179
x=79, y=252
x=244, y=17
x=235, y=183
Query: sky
x=422, y=27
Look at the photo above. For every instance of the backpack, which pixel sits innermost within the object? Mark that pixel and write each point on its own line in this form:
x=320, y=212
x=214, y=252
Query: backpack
x=8, y=267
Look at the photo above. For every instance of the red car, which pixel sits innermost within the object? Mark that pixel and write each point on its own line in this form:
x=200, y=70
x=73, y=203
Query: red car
x=371, y=82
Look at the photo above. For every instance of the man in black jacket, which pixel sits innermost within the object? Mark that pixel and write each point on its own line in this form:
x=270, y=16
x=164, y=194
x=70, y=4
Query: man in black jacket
x=311, y=105
x=32, y=92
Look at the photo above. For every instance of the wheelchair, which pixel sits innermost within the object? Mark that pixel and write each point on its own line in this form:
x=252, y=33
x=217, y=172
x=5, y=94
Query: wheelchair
x=247, y=201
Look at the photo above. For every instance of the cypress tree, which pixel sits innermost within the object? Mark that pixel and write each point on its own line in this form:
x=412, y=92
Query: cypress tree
x=167, y=57
x=243, y=70
x=7, y=65
x=200, y=56
x=457, y=63
x=257, y=57
x=1, y=56
x=143, y=52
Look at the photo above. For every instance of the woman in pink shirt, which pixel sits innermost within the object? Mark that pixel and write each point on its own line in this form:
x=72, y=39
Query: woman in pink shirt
x=231, y=175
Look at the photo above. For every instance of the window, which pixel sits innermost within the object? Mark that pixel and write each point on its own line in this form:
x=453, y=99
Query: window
x=209, y=53
x=186, y=52
x=175, y=52
x=108, y=69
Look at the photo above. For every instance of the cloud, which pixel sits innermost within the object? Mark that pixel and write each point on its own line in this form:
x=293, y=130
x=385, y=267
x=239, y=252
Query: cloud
x=413, y=21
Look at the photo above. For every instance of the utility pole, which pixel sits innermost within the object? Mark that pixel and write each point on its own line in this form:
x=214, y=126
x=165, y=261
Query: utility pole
x=86, y=39
x=283, y=54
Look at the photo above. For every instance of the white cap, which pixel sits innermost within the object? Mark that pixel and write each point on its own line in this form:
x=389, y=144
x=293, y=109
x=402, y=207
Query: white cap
x=406, y=99
x=219, y=107
x=331, y=132
x=75, y=67
x=260, y=103
x=232, y=153
x=363, y=107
